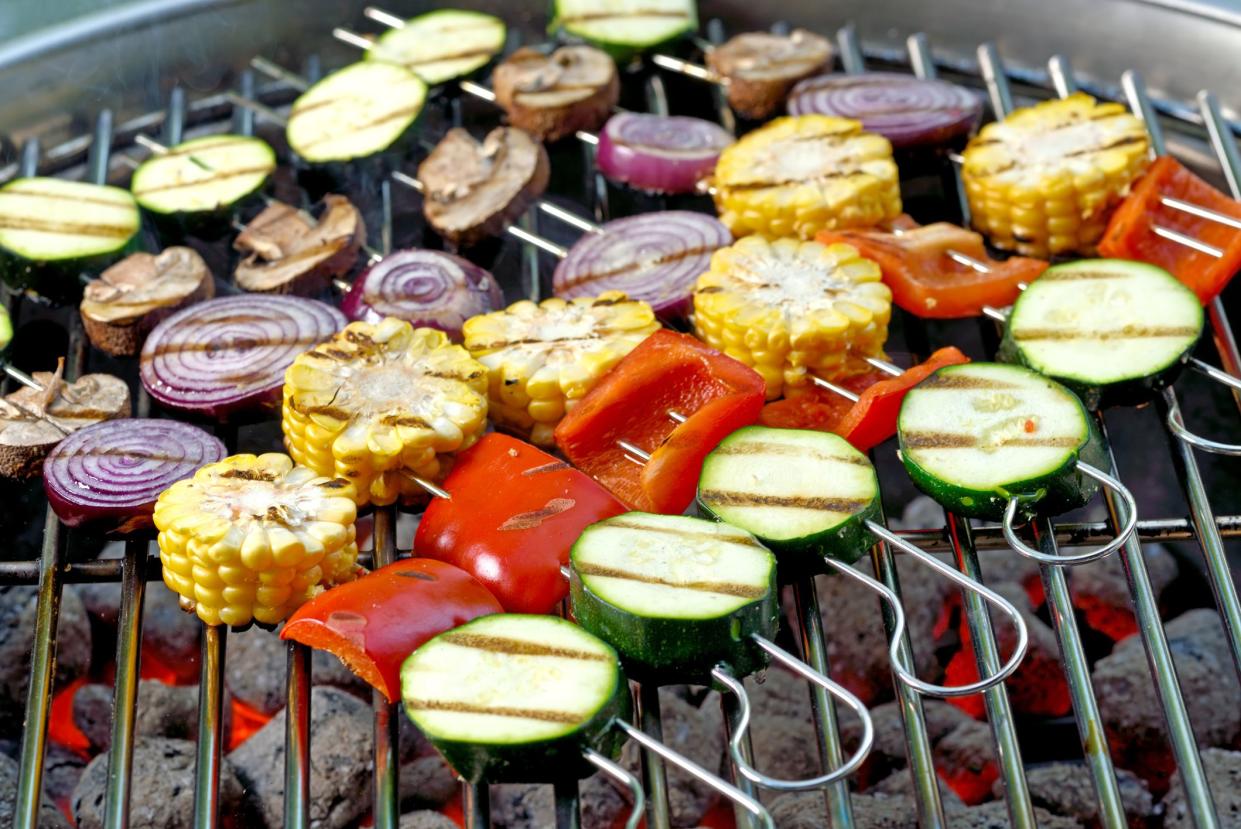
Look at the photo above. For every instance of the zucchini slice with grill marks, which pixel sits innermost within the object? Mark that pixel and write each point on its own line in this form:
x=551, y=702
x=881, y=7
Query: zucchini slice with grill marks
x=973, y=435
x=363, y=110
x=805, y=494
x=624, y=28
x=511, y=698
x=52, y=231
x=200, y=182
x=675, y=595
x=441, y=45
x=1112, y=330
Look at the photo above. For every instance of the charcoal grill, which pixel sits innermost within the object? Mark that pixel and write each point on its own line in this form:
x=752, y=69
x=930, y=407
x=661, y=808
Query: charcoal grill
x=53, y=142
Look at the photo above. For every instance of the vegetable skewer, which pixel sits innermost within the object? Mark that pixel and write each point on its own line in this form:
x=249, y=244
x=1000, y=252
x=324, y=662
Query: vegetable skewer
x=566, y=705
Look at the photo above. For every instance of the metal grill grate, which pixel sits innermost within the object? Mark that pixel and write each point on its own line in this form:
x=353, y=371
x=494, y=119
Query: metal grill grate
x=51, y=571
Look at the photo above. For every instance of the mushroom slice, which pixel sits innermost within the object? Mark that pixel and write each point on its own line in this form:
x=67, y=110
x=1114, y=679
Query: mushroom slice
x=475, y=190
x=289, y=253
x=553, y=96
x=33, y=421
x=121, y=307
x=759, y=68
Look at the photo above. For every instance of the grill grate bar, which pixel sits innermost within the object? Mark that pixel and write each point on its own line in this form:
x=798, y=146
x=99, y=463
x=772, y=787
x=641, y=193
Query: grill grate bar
x=297, y=739
x=47, y=611
x=995, y=699
x=386, y=808
x=125, y=691
x=210, y=727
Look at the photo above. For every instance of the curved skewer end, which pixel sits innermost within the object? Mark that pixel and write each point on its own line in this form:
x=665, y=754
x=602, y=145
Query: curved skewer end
x=1127, y=531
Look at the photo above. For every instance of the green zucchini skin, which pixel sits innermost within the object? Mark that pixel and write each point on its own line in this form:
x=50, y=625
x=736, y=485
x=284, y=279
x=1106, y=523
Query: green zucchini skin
x=1054, y=492
x=383, y=48
x=1134, y=391
x=536, y=761
x=621, y=51
x=846, y=542
x=60, y=280
x=673, y=650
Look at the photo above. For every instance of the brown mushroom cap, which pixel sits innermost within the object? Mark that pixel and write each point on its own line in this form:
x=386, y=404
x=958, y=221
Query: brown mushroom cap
x=33, y=421
x=760, y=68
x=127, y=300
x=552, y=96
x=474, y=190
x=288, y=253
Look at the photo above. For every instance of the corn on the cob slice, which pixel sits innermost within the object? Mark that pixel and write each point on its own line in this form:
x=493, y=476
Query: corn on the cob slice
x=791, y=308
x=253, y=537
x=380, y=404
x=802, y=174
x=1045, y=179
x=543, y=358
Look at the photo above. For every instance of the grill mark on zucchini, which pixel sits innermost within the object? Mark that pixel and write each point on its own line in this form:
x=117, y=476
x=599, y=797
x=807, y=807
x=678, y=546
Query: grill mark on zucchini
x=518, y=647
x=215, y=176
x=745, y=591
x=964, y=381
x=1127, y=333
x=445, y=58
x=66, y=228
x=950, y=440
x=44, y=194
x=595, y=16
x=724, y=498
x=756, y=448
x=565, y=717
x=619, y=524
x=1073, y=275
x=394, y=115
x=204, y=147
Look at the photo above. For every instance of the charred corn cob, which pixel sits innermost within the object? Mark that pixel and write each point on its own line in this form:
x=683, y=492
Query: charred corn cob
x=790, y=309
x=1045, y=179
x=541, y=359
x=802, y=174
x=382, y=404
x=253, y=537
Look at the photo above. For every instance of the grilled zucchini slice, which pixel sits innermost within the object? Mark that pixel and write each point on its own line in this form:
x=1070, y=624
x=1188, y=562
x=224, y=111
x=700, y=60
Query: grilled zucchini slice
x=197, y=185
x=973, y=435
x=441, y=45
x=511, y=698
x=1112, y=330
x=675, y=595
x=806, y=495
x=366, y=109
x=53, y=231
x=625, y=28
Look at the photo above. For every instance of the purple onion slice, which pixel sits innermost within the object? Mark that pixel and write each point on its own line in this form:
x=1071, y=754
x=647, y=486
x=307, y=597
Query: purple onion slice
x=655, y=257
x=908, y=111
x=230, y=354
x=112, y=472
x=659, y=153
x=425, y=287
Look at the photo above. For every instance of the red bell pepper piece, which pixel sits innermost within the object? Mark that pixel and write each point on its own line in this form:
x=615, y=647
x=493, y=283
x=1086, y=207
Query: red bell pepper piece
x=1131, y=232
x=373, y=623
x=668, y=372
x=514, y=513
x=929, y=283
x=812, y=407
x=868, y=422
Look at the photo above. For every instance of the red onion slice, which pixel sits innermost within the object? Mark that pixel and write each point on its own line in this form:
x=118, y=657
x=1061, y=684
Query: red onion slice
x=659, y=153
x=425, y=287
x=113, y=471
x=229, y=354
x=656, y=257
x=906, y=110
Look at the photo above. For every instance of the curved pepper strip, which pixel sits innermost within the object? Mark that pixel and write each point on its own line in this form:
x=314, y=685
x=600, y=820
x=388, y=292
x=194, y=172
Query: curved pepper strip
x=926, y=281
x=1131, y=235
x=514, y=513
x=868, y=422
x=668, y=372
x=372, y=624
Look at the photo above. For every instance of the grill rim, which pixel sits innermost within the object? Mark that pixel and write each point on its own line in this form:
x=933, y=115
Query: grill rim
x=1203, y=526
